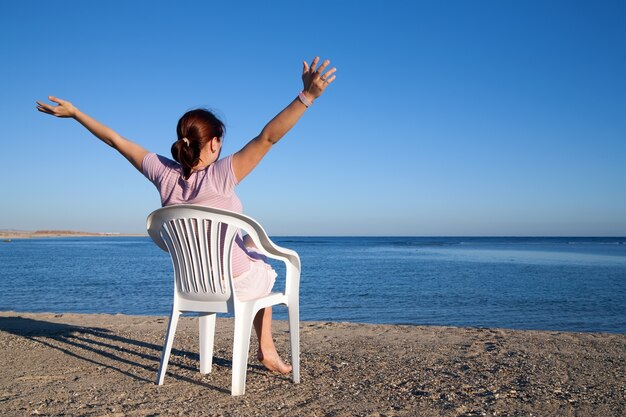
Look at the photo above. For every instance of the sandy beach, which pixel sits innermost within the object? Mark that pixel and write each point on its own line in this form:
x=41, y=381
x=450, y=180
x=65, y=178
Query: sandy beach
x=105, y=365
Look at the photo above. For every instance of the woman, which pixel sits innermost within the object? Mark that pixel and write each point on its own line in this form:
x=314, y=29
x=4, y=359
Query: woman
x=199, y=177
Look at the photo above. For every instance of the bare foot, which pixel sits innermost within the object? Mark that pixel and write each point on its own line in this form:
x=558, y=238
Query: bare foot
x=273, y=363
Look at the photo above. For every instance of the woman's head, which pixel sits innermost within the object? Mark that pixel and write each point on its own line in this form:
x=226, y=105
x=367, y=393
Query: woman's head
x=195, y=130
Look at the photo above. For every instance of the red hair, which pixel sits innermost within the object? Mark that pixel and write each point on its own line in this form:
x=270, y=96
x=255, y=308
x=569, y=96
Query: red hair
x=198, y=127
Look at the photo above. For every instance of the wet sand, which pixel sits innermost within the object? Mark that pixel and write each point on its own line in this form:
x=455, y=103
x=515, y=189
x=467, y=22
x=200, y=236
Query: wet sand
x=105, y=365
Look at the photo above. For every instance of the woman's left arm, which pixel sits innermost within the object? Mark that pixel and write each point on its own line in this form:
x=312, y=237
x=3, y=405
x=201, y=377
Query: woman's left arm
x=315, y=82
x=132, y=151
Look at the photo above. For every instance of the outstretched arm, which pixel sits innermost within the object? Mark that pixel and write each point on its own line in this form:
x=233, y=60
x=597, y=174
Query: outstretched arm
x=315, y=82
x=130, y=150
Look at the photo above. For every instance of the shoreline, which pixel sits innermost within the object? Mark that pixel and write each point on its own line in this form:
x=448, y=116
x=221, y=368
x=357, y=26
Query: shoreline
x=99, y=364
x=42, y=234
x=357, y=323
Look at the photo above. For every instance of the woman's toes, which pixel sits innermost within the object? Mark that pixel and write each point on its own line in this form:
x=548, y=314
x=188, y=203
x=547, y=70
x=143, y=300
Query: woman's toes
x=274, y=363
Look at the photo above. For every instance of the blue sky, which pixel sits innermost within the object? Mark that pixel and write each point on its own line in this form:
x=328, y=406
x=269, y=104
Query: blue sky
x=446, y=117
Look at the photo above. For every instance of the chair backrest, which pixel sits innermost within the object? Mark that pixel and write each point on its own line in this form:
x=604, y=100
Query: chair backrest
x=199, y=241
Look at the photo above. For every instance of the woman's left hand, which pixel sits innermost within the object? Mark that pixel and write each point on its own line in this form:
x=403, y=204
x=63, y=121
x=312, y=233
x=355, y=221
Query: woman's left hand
x=315, y=78
x=62, y=109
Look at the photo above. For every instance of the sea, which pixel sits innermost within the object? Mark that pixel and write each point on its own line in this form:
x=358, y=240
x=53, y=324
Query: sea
x=530, y=283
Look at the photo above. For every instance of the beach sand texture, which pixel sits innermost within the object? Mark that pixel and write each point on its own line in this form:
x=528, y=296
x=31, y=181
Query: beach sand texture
x=105, y=365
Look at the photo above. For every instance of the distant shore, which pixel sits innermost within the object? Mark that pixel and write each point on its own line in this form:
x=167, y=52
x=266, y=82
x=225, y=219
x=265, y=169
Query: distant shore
x=98, y=364
x=23, y=234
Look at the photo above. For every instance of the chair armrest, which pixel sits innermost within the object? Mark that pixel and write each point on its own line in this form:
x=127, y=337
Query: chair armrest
x=265, y=246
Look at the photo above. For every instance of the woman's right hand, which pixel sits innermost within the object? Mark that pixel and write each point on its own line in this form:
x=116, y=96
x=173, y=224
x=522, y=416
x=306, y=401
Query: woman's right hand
x=315, y=79
x=62, y=109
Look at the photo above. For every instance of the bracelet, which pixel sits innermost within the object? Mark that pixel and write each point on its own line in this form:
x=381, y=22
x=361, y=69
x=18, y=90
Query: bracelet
x=304, y=100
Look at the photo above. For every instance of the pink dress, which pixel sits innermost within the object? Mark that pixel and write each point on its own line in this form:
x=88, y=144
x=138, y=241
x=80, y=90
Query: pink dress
x=213, y=186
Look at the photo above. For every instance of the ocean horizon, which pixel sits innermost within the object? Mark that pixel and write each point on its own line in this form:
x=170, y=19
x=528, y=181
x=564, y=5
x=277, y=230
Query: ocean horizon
x=527, y=283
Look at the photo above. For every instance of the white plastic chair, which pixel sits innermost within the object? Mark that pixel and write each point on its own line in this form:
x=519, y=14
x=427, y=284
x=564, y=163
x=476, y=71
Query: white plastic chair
x=200, y=240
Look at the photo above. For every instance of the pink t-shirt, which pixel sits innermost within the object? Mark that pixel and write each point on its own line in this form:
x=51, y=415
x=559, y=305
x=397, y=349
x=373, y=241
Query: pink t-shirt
x=211, y=187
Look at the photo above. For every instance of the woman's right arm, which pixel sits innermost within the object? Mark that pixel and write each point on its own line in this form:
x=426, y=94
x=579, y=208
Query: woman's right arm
x=133, y=152
x=315, y=80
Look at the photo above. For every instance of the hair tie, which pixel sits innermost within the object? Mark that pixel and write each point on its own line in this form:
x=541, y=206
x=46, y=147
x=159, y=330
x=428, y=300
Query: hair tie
x=186, y=141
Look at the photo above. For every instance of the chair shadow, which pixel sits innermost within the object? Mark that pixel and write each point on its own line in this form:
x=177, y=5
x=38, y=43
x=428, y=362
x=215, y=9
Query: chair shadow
x=71, y=339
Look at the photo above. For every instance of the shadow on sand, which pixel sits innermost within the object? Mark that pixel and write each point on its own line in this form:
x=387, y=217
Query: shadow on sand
x=104, y=348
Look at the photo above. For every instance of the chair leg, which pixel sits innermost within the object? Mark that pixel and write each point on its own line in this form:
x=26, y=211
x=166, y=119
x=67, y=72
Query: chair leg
x=241, y=345
x=167, y=347
x=207, y=336
x=294, y=335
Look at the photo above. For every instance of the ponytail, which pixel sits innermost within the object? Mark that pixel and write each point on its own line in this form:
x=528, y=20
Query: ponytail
x=187, y=154
x=194, y=130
